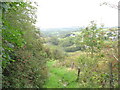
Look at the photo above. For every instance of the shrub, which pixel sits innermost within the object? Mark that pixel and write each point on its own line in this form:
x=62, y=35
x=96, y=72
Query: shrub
x=73, y=49
x=29, y=69
x=24, y=58
x=57, y=54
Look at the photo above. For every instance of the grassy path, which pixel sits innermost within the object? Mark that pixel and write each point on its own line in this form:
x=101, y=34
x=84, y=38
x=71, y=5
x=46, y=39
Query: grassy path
x=60, y=77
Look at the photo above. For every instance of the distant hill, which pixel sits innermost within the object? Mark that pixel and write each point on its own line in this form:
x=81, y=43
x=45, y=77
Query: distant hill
x=58, y=31
x=61, y=31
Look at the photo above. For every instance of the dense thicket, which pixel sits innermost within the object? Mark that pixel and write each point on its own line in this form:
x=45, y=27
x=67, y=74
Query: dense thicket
x=23, y=54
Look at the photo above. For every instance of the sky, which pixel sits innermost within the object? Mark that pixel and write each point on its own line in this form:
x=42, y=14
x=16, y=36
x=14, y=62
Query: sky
x=70, y=13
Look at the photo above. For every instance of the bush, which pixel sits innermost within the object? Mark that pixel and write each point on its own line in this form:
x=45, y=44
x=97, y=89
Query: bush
x=66, y=42
x=28, y=71
x=54, y=41
x=73, y=49
x=24, y=57
x=57, y=54
x=54, y=52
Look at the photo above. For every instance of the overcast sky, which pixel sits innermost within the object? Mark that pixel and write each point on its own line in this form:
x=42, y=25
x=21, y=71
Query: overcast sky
x=68, y=13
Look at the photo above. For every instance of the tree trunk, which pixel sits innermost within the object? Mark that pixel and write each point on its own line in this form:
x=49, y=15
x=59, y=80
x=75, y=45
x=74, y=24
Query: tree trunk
x=119, y=74
x=111, y=76
x=72, y=65
x=92, y=51
x=78, y=74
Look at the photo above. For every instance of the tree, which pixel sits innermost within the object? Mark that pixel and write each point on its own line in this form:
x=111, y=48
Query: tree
x=54, y=41
x=92, y=37
x=118, y=46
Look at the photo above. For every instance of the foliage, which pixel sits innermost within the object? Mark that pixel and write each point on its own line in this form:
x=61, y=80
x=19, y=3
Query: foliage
x=55, y=52
x=16, y=23
x=24, y=56
x=73, y=49
x=64, y=77
x=60, y=77
x=93, y=37
x=54, y=41
x=67, y=42
x=95, y=72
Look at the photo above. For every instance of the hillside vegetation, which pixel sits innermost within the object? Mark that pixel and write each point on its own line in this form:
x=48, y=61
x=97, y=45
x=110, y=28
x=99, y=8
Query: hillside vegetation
x=77, y=58
x=94, y=50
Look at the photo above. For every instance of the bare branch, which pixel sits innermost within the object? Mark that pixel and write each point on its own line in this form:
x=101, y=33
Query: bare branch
x=110, y=5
